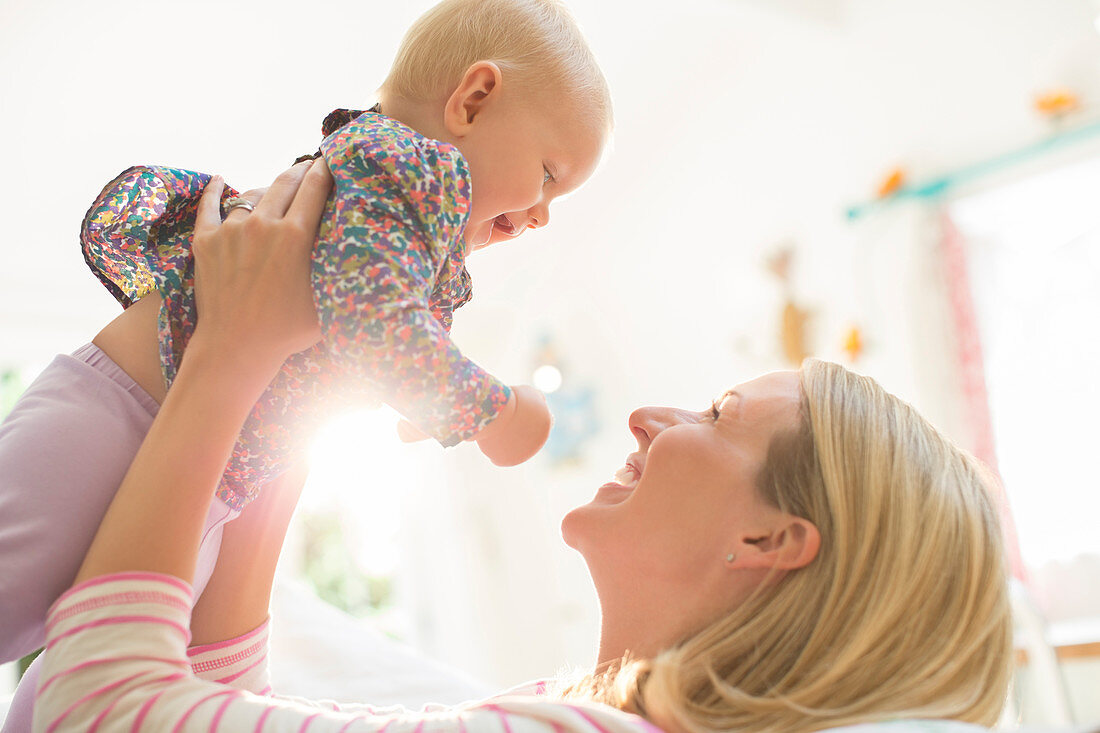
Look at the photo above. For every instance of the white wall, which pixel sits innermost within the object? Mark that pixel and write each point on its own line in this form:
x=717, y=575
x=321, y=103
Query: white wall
x=740, y=125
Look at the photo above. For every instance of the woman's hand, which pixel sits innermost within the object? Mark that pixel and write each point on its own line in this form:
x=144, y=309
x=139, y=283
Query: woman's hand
x=252, y=271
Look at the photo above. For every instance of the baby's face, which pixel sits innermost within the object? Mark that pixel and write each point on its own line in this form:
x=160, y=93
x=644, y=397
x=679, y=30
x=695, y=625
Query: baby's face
x=521, y=158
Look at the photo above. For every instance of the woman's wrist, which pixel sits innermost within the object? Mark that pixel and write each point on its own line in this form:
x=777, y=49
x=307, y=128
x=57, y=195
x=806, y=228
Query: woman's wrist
x=215, y=357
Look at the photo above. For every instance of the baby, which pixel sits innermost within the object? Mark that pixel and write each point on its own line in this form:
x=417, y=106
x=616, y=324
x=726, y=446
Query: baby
x=388, y=270
x=493, y=108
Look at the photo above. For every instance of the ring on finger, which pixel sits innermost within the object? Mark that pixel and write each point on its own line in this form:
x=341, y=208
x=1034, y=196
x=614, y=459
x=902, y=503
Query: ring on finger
x=239, y=203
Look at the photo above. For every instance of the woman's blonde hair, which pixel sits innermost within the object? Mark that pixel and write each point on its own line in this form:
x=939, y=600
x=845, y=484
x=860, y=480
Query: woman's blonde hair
x=536, y=43
x=904, y=613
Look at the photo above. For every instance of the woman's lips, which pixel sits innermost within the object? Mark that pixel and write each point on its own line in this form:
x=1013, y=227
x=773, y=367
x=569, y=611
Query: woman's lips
x=622, y=485
x=612, y=493
x=627, y=476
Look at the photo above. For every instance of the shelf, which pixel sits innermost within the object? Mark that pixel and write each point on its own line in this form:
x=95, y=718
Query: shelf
x=936, y=188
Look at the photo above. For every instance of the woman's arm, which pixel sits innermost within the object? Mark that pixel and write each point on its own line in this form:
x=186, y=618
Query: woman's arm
x=238, y=595
x=229, y=623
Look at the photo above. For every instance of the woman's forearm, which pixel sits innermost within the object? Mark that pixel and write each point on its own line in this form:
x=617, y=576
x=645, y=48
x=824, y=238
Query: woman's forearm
x=154, y=523
x=238, y=595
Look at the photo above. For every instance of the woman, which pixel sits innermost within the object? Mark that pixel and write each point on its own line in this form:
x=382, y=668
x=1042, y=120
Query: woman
x=807, y=553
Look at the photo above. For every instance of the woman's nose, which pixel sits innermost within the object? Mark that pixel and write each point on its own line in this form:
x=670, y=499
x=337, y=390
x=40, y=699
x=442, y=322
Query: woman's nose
x=647, y=423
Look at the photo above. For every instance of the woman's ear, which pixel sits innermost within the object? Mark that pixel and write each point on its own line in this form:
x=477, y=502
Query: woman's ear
x=790, y=542
x=480, y=85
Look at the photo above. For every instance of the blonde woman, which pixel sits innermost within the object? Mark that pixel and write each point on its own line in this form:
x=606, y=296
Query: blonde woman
x=807, y=553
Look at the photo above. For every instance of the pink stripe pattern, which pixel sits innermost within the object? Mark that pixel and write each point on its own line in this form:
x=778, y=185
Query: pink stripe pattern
x=117, y=659
x=129, y=621
x=43, y=686
x=237, y=675
x=233, y=657
x=116, y=599
x=215, y=646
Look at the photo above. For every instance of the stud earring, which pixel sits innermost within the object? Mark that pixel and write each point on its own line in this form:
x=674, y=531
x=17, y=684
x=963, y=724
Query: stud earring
x=731, y=557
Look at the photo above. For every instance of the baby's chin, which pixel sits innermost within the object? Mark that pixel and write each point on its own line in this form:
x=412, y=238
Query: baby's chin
x=480, y=238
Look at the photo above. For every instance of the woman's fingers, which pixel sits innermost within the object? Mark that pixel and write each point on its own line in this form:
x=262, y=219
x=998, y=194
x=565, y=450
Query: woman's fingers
x=253, y=196
x=208, y=217
x=281, y=192
x=252, y=272
x=309, y=202
x=299, y=193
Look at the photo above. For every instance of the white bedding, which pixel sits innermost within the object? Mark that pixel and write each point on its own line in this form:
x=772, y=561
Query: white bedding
x=318, y=651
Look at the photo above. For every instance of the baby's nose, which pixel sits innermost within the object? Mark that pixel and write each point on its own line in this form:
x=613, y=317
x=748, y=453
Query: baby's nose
x=539, y=216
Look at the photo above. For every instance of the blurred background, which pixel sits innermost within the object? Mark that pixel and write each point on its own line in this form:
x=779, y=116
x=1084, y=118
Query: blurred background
x=906, y=187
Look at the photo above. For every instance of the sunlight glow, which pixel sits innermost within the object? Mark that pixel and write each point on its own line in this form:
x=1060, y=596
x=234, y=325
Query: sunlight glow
x=359, y=471
x=547, y=378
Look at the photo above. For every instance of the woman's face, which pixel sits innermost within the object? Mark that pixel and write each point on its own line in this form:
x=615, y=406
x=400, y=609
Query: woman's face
x=658, y=539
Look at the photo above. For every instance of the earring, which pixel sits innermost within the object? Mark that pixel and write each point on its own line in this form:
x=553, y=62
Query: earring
x=731, y=557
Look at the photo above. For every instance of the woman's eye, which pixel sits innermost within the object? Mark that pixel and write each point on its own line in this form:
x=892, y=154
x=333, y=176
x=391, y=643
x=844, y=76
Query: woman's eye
x=714, y=410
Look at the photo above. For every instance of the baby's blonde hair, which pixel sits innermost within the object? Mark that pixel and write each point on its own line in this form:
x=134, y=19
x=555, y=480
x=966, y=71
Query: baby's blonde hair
x=536, y=43
x=904, y=613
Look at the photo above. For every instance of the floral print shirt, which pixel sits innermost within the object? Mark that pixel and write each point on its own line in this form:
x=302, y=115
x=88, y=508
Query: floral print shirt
x=388, y=273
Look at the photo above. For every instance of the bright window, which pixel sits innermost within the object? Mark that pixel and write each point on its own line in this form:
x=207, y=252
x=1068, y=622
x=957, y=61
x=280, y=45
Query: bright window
x=1034, y=258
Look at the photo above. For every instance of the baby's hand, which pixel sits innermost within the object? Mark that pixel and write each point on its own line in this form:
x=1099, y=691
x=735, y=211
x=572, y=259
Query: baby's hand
x=519, y=431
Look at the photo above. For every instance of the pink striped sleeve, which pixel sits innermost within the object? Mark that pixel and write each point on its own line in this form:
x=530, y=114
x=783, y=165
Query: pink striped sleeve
x=305, y=723
x=240, y=662
x=117, y=660
x=200, y=700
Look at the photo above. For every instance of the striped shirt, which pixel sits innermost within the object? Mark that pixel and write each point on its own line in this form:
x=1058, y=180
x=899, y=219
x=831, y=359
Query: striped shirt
x=117, y=660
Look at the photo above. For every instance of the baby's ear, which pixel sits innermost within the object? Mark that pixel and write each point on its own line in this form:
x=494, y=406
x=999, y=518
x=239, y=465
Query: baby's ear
x=480, y=86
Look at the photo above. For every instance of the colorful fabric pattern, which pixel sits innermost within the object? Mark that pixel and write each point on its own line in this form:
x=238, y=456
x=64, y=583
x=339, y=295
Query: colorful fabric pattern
x=388, y=273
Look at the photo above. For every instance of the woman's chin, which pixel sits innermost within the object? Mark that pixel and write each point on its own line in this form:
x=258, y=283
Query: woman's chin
x=586, y=523
x=580, y=525
x=570, y=528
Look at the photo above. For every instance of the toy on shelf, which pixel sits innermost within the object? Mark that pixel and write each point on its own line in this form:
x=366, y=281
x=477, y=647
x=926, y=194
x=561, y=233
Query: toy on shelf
x=794, y=319
x=890, y=183
x=1055, y=104
x=853, y=343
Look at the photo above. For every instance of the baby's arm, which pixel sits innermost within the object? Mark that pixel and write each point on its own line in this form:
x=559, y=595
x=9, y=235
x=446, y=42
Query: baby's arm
x=523, y=425
x=520, y=429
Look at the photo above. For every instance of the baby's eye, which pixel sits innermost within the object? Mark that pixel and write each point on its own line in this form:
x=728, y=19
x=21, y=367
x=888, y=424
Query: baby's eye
x=546, y=177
